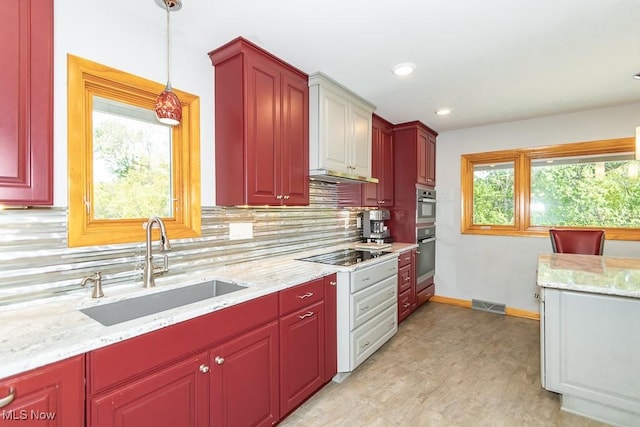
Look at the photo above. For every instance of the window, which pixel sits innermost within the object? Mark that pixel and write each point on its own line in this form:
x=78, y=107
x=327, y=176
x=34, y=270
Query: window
x=124, y=165
x=525, y=192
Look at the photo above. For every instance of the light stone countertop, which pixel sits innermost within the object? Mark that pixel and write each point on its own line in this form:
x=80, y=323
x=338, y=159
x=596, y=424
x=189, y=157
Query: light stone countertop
x=37, y=333
x=590, y=273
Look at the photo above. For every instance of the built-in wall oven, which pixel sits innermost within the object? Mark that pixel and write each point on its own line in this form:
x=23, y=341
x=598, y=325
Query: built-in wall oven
x=425, y=205
x=425, y=255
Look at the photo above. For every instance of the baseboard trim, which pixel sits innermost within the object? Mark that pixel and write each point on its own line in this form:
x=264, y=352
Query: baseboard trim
x=515, y=312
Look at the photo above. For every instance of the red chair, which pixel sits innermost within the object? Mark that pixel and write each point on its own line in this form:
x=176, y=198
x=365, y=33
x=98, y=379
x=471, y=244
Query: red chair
x=586, y=242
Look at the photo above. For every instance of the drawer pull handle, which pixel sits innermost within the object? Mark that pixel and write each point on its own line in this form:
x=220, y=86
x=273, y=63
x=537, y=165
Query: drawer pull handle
x=6, y=400
x=204, y=368
x=365, y=344
x=307, y=314
x=406, y=279
x=333, y=283
x=364, y=279
x=307, y=295
x=365, y=308
x=219, y=360
x=405, y=305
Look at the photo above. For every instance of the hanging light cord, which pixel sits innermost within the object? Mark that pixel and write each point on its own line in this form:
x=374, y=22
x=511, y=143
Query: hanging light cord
x=166, y=2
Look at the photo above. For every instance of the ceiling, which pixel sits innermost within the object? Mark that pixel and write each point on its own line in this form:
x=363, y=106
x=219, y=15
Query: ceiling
x=490, y=62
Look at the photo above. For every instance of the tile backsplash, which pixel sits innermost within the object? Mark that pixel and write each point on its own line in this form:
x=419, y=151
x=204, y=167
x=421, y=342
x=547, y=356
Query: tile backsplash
x=35, y=261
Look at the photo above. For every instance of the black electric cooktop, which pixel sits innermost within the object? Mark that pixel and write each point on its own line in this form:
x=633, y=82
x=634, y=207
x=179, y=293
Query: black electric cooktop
x=344, y=257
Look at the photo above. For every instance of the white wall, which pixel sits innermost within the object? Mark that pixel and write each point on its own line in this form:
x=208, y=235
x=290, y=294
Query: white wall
x=502, y=269
x=129, y=36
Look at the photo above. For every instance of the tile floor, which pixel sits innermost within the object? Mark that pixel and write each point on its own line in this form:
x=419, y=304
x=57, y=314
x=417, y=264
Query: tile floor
x=447, y=366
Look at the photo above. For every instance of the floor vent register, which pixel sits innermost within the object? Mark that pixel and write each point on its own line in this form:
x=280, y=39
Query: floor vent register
x=491, y=307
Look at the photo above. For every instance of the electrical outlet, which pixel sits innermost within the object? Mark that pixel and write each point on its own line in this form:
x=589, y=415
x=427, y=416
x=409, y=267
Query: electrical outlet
x=240, y=230
x=358, y=222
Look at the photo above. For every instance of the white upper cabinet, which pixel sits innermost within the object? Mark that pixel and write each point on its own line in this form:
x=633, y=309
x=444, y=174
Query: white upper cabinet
x=340, y=128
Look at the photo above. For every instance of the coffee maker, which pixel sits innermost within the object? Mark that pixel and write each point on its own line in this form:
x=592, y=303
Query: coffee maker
x=374, y=229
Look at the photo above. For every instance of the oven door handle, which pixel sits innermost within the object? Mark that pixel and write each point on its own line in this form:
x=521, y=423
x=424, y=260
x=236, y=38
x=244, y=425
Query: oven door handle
x=429, y=240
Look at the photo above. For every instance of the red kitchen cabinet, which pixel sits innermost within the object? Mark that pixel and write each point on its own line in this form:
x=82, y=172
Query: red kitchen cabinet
x=262, y=128
x=381, y=194
x=174, y=396
x=50, y=396
x=26, y=116
x=331, y=327
x=302, y=343
x=415, y=149
x=406, y=284
x=245, y=379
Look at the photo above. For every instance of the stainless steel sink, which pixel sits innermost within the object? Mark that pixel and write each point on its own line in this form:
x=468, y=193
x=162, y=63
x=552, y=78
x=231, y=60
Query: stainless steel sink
x=133, y=308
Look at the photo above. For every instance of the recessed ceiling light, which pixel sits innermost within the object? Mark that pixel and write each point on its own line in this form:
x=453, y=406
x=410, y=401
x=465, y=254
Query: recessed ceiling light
x=443, y=111
x=403, y=69
x=636, y=76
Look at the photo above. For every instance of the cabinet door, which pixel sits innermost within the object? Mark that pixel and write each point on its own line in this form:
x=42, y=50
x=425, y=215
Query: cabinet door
x=421, y=153
x=302, y=355
x=176, y=396
x=431, y=161
x=386, y=164
x=335, y=150
x=360, y=149
x=26, y=118
x=244, y=380
x=370, y=191
x=263, y=132
x=295, y=140
x=331, y=327
x=50, y=396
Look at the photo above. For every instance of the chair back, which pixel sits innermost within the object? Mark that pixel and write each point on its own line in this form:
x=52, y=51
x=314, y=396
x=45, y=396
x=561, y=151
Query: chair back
x=587, y=242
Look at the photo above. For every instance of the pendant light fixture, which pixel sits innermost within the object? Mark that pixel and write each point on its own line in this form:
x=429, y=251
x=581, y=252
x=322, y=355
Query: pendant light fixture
x=168, y=107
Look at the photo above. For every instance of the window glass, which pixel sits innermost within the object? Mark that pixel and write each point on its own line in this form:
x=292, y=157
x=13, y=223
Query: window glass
x=131, y=162
x=586, y=191
x=493, y=194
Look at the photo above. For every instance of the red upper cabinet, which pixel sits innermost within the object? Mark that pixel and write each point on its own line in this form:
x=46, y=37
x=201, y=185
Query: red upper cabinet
x=262, y=128
x=381, y=194
x=415, y=150
x=26, y=112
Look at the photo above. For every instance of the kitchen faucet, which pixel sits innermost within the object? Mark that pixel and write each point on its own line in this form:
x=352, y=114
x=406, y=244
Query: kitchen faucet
x=149, y=268
x=96, y=278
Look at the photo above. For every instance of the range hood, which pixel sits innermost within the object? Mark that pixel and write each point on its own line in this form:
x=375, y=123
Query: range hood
x=338, y=177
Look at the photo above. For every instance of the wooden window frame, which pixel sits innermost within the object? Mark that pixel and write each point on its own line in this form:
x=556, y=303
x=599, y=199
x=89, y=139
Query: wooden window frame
x=86, y=79
x=522, y=159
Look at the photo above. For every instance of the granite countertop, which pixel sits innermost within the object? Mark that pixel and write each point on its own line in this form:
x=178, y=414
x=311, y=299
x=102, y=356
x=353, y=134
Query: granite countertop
x=40, y=332
x=590, y=273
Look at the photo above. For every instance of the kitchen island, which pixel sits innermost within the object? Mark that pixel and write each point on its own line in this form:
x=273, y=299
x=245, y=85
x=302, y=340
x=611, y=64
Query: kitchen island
x=590, y=334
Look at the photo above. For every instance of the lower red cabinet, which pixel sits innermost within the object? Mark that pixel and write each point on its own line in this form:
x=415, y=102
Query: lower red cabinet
x=244, y=379
x=51, y=396
x=174, y=396
x=302, y=355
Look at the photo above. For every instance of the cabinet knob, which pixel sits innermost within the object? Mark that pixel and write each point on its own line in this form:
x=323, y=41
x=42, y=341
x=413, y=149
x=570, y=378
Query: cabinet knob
x=219, y=360
x=405, y=305
x=279, y=197
x=9, y=398
x=204, y=368
x=287, y=197
x=333, y=283
x=365, y=344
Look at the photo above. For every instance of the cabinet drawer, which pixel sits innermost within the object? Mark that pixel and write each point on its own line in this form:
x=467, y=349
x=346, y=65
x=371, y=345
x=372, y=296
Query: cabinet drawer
x=404, y=259
x=404, y=279
x=425, y=294
x=373, y=334
x=404, y=305
x=370, y=301
x=302, y=295
x=367, y=276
